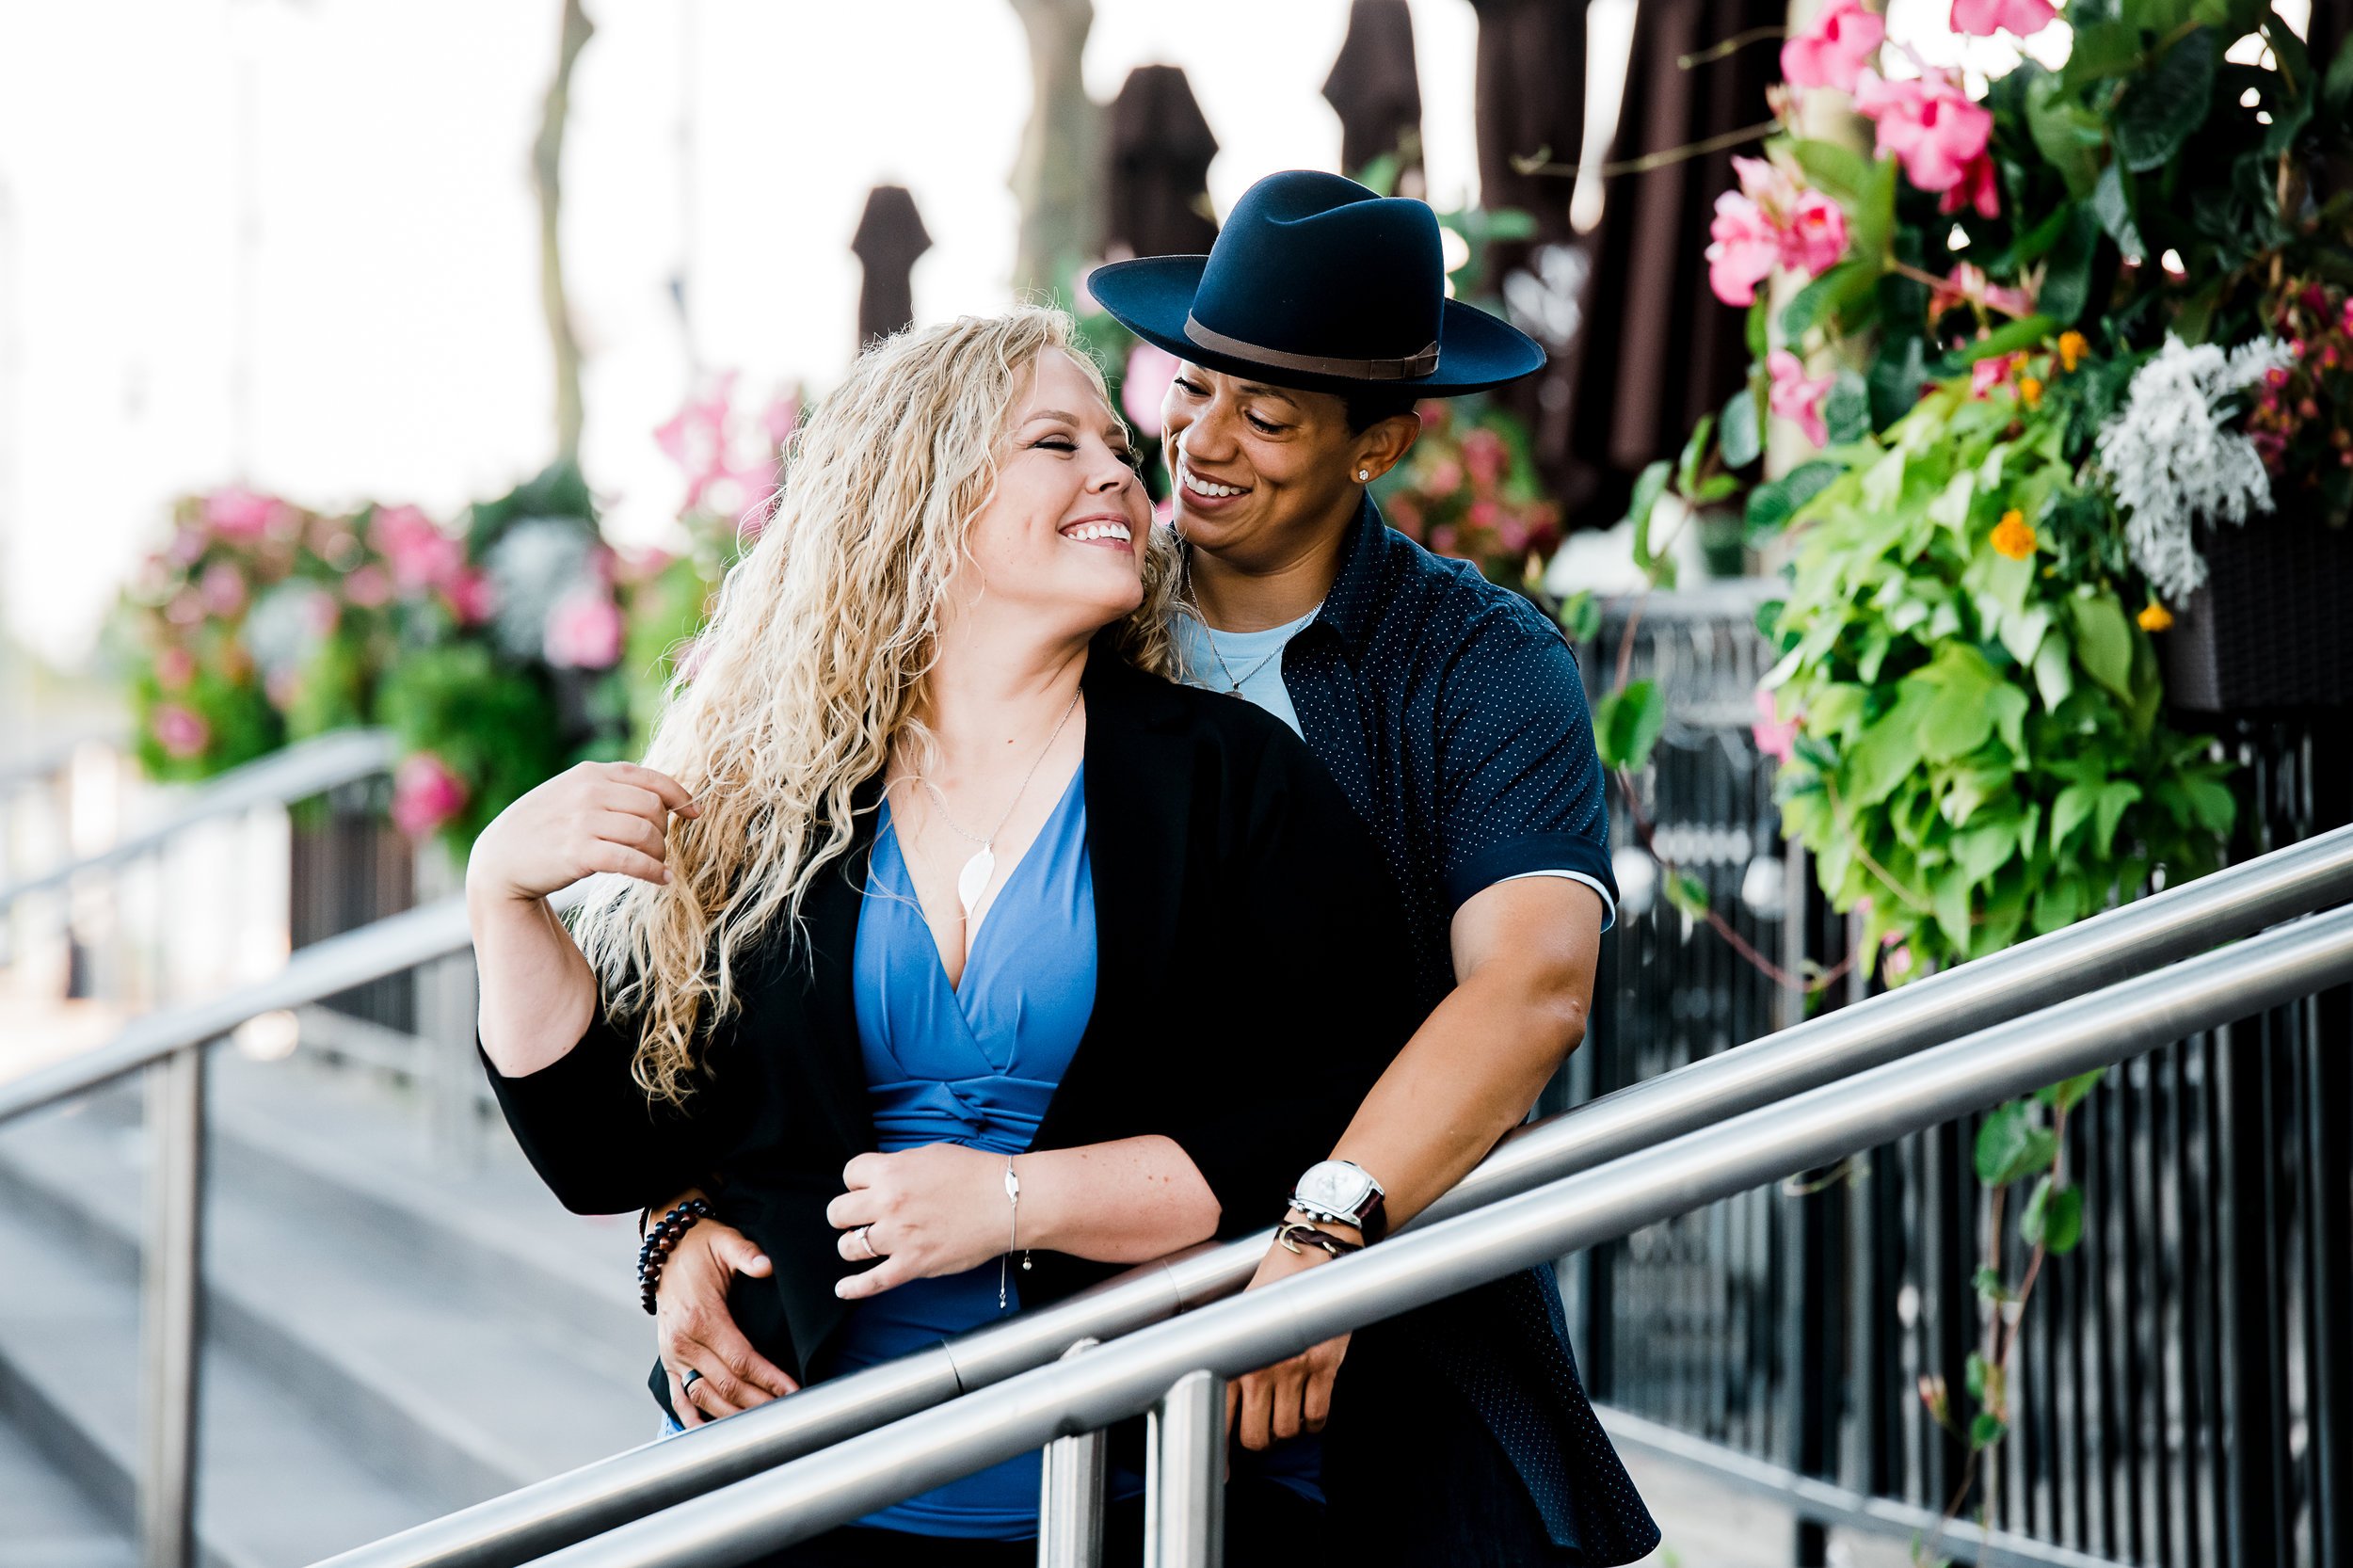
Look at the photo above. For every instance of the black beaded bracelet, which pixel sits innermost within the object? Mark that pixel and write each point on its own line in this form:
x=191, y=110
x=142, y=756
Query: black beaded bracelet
x=658, y=1242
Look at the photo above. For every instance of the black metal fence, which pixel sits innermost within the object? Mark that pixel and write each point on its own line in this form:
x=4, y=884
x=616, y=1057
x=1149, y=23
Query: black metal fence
x=2183, y=1383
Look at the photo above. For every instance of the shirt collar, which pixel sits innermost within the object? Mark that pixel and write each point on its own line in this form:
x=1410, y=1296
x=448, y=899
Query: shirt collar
x=1350, y=608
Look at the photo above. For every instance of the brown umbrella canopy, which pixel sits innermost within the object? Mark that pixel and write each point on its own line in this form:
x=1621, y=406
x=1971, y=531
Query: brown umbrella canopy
x=1377, y=92
x=890, y=236
x=1156, y=167
x=1532, y=103
x=1659, y=349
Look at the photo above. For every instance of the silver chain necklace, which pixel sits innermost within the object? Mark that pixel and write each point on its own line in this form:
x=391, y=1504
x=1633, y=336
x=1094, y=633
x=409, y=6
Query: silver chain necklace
x=972, y=881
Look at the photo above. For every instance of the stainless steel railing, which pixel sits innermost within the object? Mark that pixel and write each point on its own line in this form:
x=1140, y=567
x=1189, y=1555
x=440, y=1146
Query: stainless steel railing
x=1174, y=1372
x=2297, y=880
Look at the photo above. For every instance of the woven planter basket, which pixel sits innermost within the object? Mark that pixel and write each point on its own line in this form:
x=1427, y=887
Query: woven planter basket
x=2273, y=627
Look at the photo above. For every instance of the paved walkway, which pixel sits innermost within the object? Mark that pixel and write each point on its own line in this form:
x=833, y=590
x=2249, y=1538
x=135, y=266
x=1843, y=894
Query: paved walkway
x=1705, y=1524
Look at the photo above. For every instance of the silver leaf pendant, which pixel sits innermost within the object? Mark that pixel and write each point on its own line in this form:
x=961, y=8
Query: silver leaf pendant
x=972, y=881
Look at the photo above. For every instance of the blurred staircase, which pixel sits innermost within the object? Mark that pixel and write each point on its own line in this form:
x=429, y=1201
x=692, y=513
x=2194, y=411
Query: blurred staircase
x=387, y=1336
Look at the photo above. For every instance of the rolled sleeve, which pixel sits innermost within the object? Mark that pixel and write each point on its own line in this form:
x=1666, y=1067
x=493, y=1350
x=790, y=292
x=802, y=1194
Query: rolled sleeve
x=1521, y=785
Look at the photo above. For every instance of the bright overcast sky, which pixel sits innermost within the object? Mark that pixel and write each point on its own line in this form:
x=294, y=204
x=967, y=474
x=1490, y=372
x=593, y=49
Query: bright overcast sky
x=295, y=239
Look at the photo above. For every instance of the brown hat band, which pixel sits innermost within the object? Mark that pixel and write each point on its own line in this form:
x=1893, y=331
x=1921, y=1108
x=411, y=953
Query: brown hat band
x=1412, y=368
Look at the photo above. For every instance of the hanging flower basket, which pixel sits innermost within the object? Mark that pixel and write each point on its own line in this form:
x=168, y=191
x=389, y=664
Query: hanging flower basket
x=2273, y=626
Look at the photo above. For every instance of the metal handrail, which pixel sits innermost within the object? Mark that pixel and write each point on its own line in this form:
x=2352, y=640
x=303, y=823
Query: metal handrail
x=299, y=770
x=1171, y=1370
x=2298, y=879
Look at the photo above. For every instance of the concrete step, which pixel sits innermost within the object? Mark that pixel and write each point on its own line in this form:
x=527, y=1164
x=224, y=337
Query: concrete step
x=45, y=1522
x=449, y=1332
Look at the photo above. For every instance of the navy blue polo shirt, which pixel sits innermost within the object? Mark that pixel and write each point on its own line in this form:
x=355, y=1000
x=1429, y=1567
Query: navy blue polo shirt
x=1452, y=714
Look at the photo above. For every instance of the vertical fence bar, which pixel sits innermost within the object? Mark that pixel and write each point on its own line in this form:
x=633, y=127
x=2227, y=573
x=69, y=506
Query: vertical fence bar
x=170, y=1317
x=1070, y=1495
x=1184, y=1478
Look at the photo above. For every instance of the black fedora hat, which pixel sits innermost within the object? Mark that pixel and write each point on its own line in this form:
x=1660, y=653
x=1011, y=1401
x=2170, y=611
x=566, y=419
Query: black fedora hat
x=1320, y=283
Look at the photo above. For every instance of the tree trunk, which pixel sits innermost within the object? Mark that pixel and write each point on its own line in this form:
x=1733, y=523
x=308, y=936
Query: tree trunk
x=547, y=159
x=1056, y=176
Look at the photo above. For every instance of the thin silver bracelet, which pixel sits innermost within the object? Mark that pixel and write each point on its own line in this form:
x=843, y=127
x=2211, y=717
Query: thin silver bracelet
x=1005, y=1264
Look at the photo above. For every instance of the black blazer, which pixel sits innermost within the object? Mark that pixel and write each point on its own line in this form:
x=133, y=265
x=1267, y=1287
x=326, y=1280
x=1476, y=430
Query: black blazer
x=1251, y=984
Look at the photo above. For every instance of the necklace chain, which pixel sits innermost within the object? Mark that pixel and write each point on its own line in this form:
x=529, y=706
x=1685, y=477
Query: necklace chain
x=941, y=798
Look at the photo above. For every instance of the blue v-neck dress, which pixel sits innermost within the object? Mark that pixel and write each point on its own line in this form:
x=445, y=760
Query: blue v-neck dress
x=975, y=1064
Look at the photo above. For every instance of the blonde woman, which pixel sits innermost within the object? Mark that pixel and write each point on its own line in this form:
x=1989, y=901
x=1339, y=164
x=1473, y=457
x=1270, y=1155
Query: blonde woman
x=981, y=959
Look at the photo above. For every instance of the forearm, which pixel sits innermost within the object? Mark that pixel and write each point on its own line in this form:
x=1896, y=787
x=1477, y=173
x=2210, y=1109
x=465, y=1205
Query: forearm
x=1468, y=1076
x=1124, y=1202
x=538, y=995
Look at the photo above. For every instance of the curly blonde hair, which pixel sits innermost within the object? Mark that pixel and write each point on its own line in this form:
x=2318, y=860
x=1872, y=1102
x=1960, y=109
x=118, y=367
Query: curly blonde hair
x=813, y=665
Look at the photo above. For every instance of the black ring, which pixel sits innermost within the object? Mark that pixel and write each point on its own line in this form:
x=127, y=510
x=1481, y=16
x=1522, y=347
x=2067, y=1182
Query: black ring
x=686, y=1384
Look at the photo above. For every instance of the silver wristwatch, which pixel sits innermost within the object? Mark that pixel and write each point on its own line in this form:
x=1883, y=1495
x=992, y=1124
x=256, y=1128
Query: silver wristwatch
x=1344, y=1194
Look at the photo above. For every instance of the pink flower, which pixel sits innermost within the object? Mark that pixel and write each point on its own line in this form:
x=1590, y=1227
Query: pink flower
x=1983, y=18
x=420, y=555
x=180, y=732
x=1978, y=188
x=187, y=545
x=1795, y=396
x=781, y=417
x=1898, y=963
x=1816, y=237
x=425, y=794
x=221, y=589
x=1442, y=539
x=1405, y=516
x=236, y=513
x=1967, y=284
x=1833, y=48
x=185, y=608
x=1484, y=515
x=1486, y=456
x=175, y=666
x=1743, y=251
x=367, y=586
x=1145, y=387
x=1988, y=373
x=1931, y=124
x=470, y=597
x=584, y=629
x=1511, y=533
x=1443, y=479
x=1776, y=737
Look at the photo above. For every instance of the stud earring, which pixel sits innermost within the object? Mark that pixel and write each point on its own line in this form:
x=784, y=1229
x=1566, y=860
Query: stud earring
x=1362, y=474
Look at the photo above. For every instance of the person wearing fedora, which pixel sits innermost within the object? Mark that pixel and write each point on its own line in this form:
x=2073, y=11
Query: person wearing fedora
x=1453, y=715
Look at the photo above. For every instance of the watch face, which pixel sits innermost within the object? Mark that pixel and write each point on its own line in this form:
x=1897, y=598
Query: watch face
x=1340, y=1187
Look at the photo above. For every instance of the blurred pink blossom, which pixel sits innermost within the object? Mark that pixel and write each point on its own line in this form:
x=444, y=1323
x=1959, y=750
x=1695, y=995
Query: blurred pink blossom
x=1442, y=539
x=1898, y=964
x=1832, y=49
x=584, y=629
x=425, y=794
x=1815, y=236
x=1486, y=456
x=222, y=589
x=187, y=545
x=1511, y=532
x=1991, y=372
x=236, y=513
x=1983, y=18
x=1164, y=511
x=1929, y=124
x=1776, y=737
x=1742, y=251
x=180, y=732
x=185, y=608
x=1443, y=479
x=1483, y=514
x=175, y=666
x=2345, y=322
x=367, y=586
x=1405, y=516
x=1795, y=396
x=1967, y=284
x=781, y=417
x=1978, y=188
x=469, y=596
x=420, y=555
x=1145, y=387
x=281, y=687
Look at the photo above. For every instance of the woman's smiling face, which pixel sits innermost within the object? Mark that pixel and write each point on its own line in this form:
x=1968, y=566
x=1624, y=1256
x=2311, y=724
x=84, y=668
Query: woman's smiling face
x=1257, y=466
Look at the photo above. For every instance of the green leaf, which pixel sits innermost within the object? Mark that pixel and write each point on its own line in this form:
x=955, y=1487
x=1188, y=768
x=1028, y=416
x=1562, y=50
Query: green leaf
x=2100, y=49
x=2069, y=812
x=1740, y=438
x=2216, y=806
x=2053, y=1216
x=1648, y=486
x=1834, y=168
x=2012, y=1147
x=2103, y=642
x=2066, y=134
x=2115, y=798
x=2336, y=90
x=2160, y=110
x=1580, y=616
x=2054, y=670
x=1888, y=752
x=2112, y=203
x=1981, y=851
x=2008, y=339
x=1949, y=896
x=1984, y=1430
x=1757, y=332
x=1772, y=504
x=1828, y=297
x=2068, y=1092
x=1694, y=453
x=2066, y=276
x=1974, y=1372
x=1687, y=894
x=1627, y=724
x=2059, y=903
x=1847, y=410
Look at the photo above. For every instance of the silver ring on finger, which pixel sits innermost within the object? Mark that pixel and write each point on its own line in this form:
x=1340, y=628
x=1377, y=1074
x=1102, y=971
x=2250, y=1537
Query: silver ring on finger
x=865, y=1239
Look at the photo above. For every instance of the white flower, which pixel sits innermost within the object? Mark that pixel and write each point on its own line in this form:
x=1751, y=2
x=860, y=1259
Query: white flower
x=534, y=565
x=2170, y=461
x=286, y=625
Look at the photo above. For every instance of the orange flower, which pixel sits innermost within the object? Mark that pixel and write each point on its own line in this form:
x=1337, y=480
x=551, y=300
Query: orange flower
x=2030, y=391
x=2012, y=536
x=2157, y=618
x=2072, y=346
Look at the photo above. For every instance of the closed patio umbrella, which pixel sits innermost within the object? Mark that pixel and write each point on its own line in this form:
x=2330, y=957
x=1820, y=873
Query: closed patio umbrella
x=1376, y=91
x=890, y=236
x=1155, y=175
